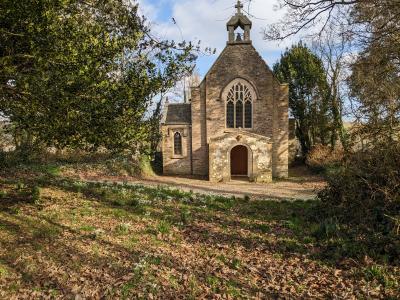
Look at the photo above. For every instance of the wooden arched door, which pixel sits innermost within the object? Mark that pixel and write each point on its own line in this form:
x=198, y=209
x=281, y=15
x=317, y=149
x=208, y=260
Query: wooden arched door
x=239, y=161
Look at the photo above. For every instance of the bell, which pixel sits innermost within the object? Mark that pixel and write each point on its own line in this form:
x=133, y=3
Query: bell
x=239, y=37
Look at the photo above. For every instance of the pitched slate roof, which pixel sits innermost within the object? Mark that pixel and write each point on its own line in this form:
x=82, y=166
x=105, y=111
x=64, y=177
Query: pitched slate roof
x=177, y=113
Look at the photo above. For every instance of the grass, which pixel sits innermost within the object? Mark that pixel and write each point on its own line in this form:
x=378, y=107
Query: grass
x=122, y=229
x=3, y=272
x=381, y=275
x=164, y=227
x=87, y=228
x=121, y=241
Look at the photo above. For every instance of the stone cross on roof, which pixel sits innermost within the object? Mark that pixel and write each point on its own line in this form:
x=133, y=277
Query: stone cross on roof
x=239, y=6
x=242, y=21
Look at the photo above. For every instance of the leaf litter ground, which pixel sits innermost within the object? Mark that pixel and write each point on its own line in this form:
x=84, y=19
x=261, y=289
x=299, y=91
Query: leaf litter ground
x=111, y=241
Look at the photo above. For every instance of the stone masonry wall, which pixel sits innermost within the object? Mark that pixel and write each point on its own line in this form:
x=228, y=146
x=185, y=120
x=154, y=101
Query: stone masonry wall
x=270, y=116
x=199, y=133
x=176, y=164
x=259, y=151
x=240, y=61
x=280, y=156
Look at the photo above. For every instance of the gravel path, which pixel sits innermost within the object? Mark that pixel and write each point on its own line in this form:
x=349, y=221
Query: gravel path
x=300, y=185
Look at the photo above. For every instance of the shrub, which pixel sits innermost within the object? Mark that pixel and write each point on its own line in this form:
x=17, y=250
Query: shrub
x=364, y=194
x=322, y=158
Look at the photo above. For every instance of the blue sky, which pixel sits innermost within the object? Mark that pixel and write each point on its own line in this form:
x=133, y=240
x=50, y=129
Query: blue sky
x=205, y=20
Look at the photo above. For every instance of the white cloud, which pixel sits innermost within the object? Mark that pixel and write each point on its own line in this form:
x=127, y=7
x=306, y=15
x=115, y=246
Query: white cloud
x=148, y=9
x=205, y=20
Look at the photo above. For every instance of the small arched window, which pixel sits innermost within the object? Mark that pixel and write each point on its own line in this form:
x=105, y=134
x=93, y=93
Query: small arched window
x=239, y=106
x=177, y=143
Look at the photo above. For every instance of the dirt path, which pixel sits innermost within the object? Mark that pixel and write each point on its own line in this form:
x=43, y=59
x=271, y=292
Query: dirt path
x=300, y=185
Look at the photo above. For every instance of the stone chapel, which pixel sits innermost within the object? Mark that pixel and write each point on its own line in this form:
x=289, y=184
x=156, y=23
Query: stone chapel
x=236, y=122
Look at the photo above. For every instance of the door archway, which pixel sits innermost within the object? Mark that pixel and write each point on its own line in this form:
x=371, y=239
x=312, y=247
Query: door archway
x=239, y=161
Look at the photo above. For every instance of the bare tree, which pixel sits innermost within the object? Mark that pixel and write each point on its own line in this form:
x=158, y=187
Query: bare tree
x=181, y=91
x=361, y=19
x=373, y=27
x=375, y=84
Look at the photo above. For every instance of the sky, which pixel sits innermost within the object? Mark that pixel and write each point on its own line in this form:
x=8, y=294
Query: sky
x=205, y=20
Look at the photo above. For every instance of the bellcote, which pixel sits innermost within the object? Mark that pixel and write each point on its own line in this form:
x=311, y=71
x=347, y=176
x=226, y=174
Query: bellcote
x=242, y=21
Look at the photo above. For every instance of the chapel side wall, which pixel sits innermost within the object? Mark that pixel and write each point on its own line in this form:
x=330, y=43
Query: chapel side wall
x=173, y=164
x=240, y=61
x=280, y=151
x=199, y=131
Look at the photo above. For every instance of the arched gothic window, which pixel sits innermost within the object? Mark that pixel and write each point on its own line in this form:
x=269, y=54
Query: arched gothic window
x=177, y=143
x=239, y=106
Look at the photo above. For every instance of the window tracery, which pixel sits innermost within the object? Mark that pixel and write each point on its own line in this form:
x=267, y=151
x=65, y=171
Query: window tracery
x=239, y=106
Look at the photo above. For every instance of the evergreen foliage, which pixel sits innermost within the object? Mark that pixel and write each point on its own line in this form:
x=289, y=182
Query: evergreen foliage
x=308, y=95
x=82, y=74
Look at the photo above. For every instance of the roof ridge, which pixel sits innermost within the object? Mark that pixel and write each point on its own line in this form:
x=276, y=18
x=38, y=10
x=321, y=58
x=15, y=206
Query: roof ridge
x=178, y=103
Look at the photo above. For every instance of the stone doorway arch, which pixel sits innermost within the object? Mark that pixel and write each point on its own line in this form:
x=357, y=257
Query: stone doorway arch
x=259, y=150
x=239, y=161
